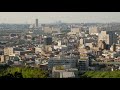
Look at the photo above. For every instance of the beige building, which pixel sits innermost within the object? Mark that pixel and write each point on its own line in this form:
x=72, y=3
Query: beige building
x=108, y=36
x=47, y=29
x=101, y=45
x=59, y=43
x=48, y=48
x=62, y=72
x=113, y=47
x=76, y=30
x=38, y=49
x=8, y=51
x=55, y=30
x=81, y=41
x=2, y=59
x=93, y=31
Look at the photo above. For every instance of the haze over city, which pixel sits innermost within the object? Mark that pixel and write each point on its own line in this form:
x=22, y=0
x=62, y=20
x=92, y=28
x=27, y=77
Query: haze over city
x=51, y=17
x=59, y=45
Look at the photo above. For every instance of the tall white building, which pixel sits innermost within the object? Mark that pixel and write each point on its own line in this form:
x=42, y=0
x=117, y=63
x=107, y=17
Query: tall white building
x=82, y=41
x=59, y=43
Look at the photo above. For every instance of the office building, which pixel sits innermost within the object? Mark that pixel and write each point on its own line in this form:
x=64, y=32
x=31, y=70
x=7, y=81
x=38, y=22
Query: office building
x=47, y=40
x=93, y=30
x=55, y=61
x=38, y=50
x=101, y=45
x=59, y=42
x=8, y=51
x=47, y=29
x=36, y=24
x=108, y=36
x=82, y=41
x=75, y=30
x=64, y=73
x=55, y=30
x=2, y=59
x=113, y=47
x=83, y=64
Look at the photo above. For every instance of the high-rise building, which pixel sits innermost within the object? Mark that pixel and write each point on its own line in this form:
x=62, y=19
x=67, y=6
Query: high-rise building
x=48, y=40
x=102, y=44
x=2, y=58
x=108, y=36
x=83, y=64
x=113, y=47
x=36, y=24
x=8, y=51
x=59, y=43
x=82, y=41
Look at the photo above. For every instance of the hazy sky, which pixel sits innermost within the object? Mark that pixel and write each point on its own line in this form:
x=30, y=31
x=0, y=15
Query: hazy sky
x=70, y=17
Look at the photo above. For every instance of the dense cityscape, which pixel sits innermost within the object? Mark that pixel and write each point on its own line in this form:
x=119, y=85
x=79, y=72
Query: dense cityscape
x=60, y=50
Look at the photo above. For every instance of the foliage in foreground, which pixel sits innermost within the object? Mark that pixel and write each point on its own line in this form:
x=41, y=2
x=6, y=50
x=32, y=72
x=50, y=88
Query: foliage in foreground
x=23, y=72
x=101, y=74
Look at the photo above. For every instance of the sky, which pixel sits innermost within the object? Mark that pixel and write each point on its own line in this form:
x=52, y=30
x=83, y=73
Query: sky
x=67, y=17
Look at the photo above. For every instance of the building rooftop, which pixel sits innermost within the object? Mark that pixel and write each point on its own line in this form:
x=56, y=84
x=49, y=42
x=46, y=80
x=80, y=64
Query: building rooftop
x=68, y=75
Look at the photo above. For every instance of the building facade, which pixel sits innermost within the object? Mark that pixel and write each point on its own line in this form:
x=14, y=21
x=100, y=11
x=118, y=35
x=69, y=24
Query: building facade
x=62, y=61
x=108, y=36
x=8, y=51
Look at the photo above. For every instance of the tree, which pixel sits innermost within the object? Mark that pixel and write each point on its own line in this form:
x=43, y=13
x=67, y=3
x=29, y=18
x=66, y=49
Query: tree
x=23, y=72
x=102, y=74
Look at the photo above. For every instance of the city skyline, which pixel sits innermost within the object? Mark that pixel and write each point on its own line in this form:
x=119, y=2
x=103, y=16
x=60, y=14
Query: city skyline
x=67, y=17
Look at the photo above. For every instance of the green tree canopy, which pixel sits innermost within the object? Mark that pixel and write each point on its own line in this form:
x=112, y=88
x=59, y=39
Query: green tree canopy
x=23, y=72
x=101, y=74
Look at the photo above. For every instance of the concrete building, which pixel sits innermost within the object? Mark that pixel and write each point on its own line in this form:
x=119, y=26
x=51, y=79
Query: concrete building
x=62, y=72
x=93, y=30
x=8, y=51
x=55, y=61
x=76, y=30
x=89, y=44
x=38, y=49
x=55, y=30
x=47, y=40
x=108, y=36
x=59, y=42
x=102, y=45
x=29, y=37
x=36, y=24
x=83, y=64
x=82, y=41
x=2, y=59
x=48, y=48
x=47, y=29
x=113, y=47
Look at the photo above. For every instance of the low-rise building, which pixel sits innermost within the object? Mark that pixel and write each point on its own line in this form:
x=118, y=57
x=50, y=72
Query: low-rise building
x=55, y=61
x=62, y=72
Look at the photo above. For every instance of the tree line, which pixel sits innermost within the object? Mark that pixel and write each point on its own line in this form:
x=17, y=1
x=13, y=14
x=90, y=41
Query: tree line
x=101, y=74
x=23, y=72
